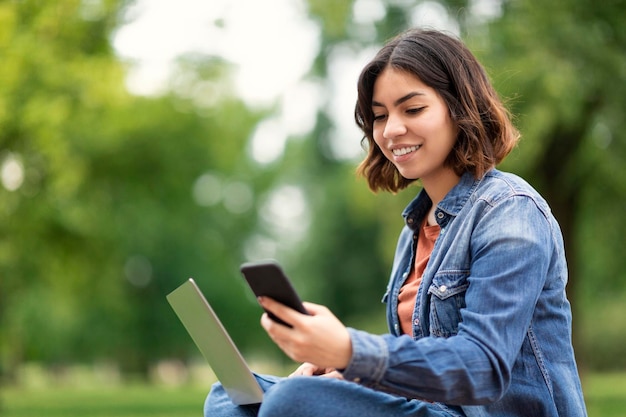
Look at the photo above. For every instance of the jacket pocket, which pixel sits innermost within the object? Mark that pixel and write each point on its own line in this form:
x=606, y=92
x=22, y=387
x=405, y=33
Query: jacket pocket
x=447, y=298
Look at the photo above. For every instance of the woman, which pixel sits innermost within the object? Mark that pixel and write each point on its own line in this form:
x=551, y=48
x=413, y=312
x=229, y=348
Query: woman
x=478, y=318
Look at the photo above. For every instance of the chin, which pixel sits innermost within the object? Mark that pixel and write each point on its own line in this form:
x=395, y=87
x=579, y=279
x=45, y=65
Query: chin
x=409, y=177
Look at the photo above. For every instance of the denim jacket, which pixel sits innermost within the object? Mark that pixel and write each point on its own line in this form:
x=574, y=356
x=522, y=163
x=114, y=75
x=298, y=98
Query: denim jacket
x=492, y=324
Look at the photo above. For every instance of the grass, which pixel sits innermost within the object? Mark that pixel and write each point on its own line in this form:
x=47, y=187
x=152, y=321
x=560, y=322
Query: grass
x=121, y=401
x=605, y=393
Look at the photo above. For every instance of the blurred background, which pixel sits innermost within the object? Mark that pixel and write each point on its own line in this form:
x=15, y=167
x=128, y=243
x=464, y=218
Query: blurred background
x=145, y=142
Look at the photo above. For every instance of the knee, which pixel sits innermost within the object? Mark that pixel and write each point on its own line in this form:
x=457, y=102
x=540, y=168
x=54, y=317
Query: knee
x=218, y=402
x=215, y=397
x=292, y=396
x=284, y=397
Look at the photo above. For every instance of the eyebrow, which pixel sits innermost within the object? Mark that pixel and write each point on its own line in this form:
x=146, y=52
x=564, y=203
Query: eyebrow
x=400, y=100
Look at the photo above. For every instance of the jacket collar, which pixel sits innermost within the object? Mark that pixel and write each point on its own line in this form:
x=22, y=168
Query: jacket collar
x=451, y=205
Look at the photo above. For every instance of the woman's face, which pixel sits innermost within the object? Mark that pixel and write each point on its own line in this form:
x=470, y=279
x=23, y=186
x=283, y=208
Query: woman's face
x=412, y=126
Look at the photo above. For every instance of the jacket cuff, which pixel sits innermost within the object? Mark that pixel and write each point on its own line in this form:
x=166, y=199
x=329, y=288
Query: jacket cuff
x=370, y=357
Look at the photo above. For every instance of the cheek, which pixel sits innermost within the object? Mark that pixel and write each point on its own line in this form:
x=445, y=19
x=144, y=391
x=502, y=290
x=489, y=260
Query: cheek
x=378, y=146
x=377, y=135
x=447, y=132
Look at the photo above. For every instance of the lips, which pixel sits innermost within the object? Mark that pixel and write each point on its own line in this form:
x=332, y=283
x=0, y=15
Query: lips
x=405, y=150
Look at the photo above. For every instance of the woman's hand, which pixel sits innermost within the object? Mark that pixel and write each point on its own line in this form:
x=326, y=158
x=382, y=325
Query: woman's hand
x=319, y=338
x=308, y=369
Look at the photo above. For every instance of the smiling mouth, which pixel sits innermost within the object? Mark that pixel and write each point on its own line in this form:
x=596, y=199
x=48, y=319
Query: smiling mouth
x=404, y=151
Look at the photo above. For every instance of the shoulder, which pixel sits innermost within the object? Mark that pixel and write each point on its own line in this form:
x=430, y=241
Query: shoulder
x=497, y=187
x=508, y=204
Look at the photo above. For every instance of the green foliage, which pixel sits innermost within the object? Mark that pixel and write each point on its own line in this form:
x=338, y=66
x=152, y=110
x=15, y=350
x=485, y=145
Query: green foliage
x=332, y=16
x=48, y=77
x=109, y=217
x=114, y=200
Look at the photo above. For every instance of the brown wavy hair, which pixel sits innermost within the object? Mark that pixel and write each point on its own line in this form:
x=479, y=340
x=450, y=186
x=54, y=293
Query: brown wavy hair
x=444, y=63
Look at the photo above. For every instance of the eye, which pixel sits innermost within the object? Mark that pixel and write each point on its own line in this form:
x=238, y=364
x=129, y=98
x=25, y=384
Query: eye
x=379, y=117
x=415, y=110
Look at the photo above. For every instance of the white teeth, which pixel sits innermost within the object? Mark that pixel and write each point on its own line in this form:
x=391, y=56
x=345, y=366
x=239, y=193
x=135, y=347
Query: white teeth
x=404, y=151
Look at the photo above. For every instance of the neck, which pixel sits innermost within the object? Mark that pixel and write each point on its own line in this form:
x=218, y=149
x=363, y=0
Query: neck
x=439, y=187
x=437, y=190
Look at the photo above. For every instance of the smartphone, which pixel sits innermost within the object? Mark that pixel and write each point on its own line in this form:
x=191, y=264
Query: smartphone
x=266, y=278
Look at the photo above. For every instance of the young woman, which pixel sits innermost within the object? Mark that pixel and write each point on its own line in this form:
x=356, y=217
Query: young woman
x=479, y=324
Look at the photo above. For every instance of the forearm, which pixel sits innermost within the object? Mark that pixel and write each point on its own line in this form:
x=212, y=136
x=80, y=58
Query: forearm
x=454, y=371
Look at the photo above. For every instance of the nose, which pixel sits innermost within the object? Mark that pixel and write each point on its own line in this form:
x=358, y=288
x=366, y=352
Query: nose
x=394, y=127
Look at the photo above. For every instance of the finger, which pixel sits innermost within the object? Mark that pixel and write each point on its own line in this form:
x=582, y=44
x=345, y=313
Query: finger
x=276, y=331
x=333, y=374
x=306, y=369
x=281, y=311
x=314, y=309
x=273, y=328
x=266, y=322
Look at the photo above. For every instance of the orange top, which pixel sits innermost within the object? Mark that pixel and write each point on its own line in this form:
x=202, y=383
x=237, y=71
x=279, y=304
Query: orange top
x=408, y=293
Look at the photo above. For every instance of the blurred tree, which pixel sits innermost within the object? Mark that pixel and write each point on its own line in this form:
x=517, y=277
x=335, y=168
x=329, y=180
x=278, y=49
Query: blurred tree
x=56, y=63
x=110, y=201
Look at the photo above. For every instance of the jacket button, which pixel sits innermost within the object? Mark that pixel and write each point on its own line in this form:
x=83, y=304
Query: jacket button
x=416, y=322
x=440, y=215
x=443, y=288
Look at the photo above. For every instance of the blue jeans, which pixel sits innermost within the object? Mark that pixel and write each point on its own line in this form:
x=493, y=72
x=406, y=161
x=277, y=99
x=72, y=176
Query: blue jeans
x=319, y=396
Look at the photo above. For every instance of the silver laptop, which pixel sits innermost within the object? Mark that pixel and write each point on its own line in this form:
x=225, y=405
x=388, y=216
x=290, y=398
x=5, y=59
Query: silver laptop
x=207, y=332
